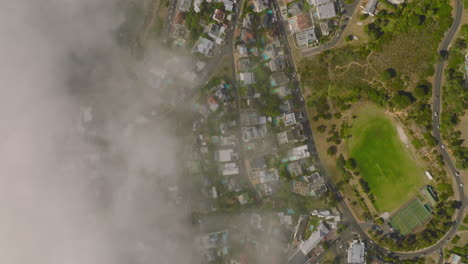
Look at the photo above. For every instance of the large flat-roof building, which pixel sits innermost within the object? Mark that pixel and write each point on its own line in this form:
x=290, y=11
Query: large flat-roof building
x=326, y=11
x=370, y=7
x=356, y=253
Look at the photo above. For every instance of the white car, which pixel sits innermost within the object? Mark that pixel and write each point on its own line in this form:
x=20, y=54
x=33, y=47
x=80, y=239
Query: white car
x=443, y=146
x=435, y=113
x=461, y=184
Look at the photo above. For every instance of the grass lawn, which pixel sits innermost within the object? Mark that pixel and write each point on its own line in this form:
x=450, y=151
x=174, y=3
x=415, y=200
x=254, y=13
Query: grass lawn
x=383, y=160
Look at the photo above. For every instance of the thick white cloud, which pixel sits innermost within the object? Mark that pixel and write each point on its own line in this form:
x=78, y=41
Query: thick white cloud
x=85, y=153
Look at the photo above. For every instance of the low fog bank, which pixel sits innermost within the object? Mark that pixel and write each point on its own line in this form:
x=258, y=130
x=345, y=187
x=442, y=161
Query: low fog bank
x=87, y=146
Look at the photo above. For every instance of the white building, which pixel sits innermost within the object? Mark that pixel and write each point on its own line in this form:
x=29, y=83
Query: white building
x=356, y=253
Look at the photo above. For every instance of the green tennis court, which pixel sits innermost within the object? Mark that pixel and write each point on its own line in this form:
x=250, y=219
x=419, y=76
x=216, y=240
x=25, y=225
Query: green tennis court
x=410, y=217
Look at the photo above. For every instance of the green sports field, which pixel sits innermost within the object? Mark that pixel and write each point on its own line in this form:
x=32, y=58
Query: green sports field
x=410, y=217
x=383, y=160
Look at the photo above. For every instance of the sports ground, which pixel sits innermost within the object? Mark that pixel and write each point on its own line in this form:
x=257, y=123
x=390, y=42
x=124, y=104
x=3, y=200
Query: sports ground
x=383, y=160
x=410, y=217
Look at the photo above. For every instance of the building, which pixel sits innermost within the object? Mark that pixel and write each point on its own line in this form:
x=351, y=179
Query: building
x=228, y=5
x=318, y=2
x=248, y=20
x=306, y=38
x=278, y=78
x=326, y=11
x=370, y=7
x=247, y=78
x=299, y=22
x=213, y=246
x=291, y=136
x=229, y=169
x=244, y=64
x=212, y=103
x=224, y=155
x=356, y=253
x=288, y=119
x=294, y=168
x=218, y=33
x=298, y=153
x=325, y=27
x=218, y=15
x=296, y=8
x=300, y=255
x=260, y=5
x=184, y=5
x=277, y=64
x=197, y=5
x=204, y=46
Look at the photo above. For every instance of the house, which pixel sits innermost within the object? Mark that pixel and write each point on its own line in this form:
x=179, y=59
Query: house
x=281, y=91
x=248, y=20
x=243, y=198
x=288, y=119
x=325, y=27
x=286, y=106
x=252, y=119
x=300, y=188
x=184, y=5
x=294, y=168
x=296, y=8
x=247, y=37
x=229, y=169
x=212, y=103
x=218, y=33
x=258, y=164
x=204, y=46
x=218, y=15
x=291, y=136
x=247, y=78
x=356, y=253
x=370, y=7
x=278, y=78
x=300, y=255
x=326, y=11
x=260, y=5
x=267, y=20
x=197, y=5
x=230, y=140
x=242, y=49
x=298, y=153
x=228, y=5
x=277, y=64
x=244, y=64
x=224, y=155
x=306, y=38
x=271, y=51
x=299, y=22
x=213, y=245
x=254, y=132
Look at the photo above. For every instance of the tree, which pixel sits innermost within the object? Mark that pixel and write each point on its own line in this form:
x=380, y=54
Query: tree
x=322, y=128
x=351, y=164
x=332, y=150
x=388, y=74
x=403, y=99
x=422, y=90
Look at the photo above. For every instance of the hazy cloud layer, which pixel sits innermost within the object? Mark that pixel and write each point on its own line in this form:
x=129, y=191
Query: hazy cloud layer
x=86, y=152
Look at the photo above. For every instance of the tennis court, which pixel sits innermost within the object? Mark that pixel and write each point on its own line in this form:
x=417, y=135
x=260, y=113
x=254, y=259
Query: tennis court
x=410, y=217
